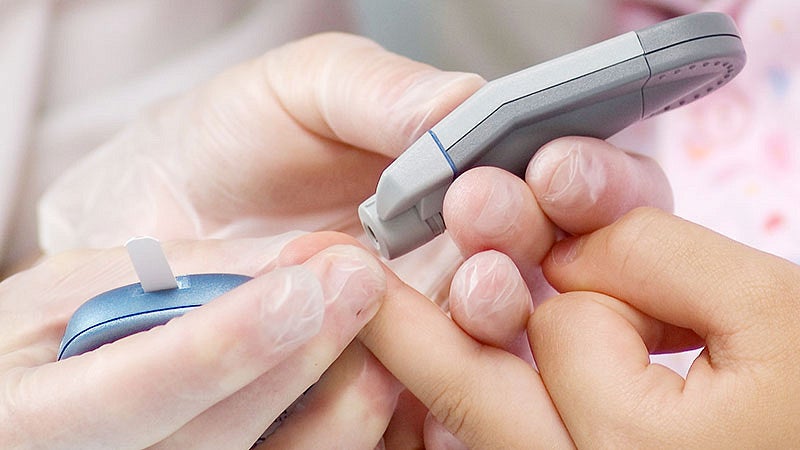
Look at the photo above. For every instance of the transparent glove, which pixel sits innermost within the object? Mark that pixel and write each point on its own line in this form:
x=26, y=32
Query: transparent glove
x=215, y=377
x=293, y=140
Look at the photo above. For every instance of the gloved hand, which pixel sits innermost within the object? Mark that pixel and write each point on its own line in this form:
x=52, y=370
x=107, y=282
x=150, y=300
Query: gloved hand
x=214, y=378
x=293, y=140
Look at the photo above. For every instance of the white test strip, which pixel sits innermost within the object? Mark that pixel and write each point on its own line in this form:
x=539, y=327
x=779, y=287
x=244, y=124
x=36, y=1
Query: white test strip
x=150, y=264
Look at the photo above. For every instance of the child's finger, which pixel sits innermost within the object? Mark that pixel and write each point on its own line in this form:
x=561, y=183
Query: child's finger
x=583, y=184
x=183, y=368
x=484, y=395
x=406, y=427
x=437, y=437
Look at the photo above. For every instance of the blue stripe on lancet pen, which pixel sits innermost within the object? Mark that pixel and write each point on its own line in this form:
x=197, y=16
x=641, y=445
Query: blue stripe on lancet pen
x=444, y=152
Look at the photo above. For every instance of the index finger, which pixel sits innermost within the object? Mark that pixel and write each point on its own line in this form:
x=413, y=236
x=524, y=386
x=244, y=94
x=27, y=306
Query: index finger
x=486, y=396
x=352, y=90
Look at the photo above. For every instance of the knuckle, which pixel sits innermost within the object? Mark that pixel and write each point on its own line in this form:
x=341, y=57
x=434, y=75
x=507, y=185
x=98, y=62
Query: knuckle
x=634, y=225
x=451, y=405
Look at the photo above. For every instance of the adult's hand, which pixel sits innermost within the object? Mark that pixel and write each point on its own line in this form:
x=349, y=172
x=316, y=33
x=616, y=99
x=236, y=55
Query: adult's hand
x=216, y=377
x=292, y=140
x=295, y=139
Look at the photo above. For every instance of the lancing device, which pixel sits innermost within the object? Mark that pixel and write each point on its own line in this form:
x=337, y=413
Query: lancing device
x=596, y=91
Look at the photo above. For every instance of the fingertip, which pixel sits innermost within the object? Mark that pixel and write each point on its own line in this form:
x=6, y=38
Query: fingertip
x=567, y=174
x=484, y=204
x=490, y=300
x=352, y=279
x=583, y=184
x=429, y=96
x=489, y=208
x=360, y=93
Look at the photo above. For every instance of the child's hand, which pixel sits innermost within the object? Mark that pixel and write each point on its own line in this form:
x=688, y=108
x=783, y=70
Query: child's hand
x=653, y=283
x=216, y=377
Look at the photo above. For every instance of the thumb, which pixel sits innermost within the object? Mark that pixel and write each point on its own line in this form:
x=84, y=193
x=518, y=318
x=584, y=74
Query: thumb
x=269, y=145
x=349, y=89
x=583, y=184
x=592, y=352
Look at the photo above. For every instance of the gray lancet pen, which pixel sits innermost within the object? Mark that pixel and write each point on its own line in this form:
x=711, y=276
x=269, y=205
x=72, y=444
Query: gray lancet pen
x=597, y=91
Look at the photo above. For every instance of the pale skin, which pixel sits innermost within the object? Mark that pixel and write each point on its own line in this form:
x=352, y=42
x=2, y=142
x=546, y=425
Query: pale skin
x=206, y=379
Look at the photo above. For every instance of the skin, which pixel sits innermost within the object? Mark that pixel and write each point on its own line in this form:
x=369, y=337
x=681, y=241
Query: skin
x=691, y=285
x=234, y=157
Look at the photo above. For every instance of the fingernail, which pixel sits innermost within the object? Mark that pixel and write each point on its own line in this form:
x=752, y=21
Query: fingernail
x=292, y=307
x=565, y=173
x=350, y=277
x=501, y=207
x=565, y=251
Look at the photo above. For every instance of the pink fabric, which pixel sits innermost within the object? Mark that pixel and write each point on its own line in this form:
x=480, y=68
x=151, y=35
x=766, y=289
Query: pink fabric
x=732, y=158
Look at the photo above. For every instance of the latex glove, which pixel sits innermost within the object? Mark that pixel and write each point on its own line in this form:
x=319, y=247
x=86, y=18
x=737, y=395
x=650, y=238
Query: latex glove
x=293, y=140
x=214, y=378
x=472, y=372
